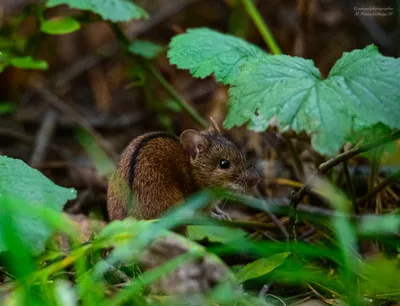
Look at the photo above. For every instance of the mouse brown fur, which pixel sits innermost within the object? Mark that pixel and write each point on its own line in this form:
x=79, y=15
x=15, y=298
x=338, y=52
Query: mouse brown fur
x=158, y=170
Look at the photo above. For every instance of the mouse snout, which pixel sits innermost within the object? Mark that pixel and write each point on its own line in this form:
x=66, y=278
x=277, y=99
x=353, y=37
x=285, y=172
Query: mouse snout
x=251, y=178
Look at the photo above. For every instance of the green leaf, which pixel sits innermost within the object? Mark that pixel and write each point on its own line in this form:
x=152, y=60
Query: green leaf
x=27, y=62
x=147, y=49
x=380, y=225
x=104, y=165
x=261, y=267
x=292, y=90
x=215, y=233
x=365, y=134
x=113, y=10
x=7, y=108
x=380, y=277
x=204, y=51
x=59, y=26
x=131, y=226
x=369, y=84
x=19, y=183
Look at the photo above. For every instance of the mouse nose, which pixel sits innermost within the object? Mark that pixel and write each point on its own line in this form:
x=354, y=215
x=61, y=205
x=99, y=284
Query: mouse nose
x=252, y=179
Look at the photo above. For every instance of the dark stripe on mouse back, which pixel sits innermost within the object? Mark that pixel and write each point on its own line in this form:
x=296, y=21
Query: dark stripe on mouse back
x=141, y=144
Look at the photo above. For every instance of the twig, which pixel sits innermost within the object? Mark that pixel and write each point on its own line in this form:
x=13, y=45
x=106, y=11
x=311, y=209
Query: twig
x=382, y=185
x=275, y=220
x=325, y=167
x=77, y=117
x=44, y=136
x=264, y=290
x=231, y=223
x=99, y=121
x=307, y=233
x=27, y=139
x=261, y=26
x=296, y=197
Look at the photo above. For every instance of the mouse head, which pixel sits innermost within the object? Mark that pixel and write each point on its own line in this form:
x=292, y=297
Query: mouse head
x=216, y=161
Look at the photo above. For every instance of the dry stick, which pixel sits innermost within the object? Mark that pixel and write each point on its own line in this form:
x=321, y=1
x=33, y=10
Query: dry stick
x=231, y=223
x=77, y=117
x=275, y=219
x=382, y=185
x=27, y=139
x=296, y=197
x=44, y=136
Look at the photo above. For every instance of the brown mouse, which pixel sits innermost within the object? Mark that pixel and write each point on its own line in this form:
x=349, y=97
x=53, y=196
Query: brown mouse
x=158, y=170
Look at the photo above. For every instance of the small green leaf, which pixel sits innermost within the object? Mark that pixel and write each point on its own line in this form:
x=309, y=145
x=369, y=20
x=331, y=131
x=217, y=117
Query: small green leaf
x=27, y=62
x=4, y=60
x=7, y=108
x=204, y=52
x=215, y=233
x=59, y=26
x=113, y=10
x=19, y=183
x=147, y=49
x=261, y=267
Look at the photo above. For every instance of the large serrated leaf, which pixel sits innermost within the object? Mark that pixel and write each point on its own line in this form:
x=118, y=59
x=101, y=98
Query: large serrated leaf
x=20, y=184
x=370, y=84
x=114, y=10
x=204, y=52
x=292, y=90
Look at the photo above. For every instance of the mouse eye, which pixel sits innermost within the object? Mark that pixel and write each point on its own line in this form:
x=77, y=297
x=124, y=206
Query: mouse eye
x=224, y=164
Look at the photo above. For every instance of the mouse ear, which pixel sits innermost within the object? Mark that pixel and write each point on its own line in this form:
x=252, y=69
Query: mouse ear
x=214, y=128
x=193, y=142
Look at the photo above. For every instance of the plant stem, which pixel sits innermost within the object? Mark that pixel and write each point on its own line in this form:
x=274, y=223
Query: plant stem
x=323, y=168
x=176, y=95
x=374, y=170
x=124, y=41
x=119, y=34
x=350, y=185
x=261, y=26
x=298, y=166
x=382, y=185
